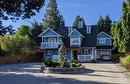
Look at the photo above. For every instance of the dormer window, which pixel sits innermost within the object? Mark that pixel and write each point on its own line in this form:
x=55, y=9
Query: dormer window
x=89, y=30
x=80, y=24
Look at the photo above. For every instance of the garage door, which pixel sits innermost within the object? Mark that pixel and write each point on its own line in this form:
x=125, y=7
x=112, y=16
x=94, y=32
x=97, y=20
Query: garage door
x=106, y=55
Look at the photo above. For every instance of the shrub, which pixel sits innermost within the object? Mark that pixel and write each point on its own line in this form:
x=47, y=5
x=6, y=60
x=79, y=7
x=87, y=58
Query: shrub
x=51, y=64
x=117, y=57
x=15, y=44
x=93, y=60
x=74, y=63
x=125, y=60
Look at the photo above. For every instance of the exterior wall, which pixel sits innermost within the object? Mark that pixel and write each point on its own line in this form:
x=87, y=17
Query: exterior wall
x=108, y=40
x=49, y=33
x=75, y=39
x=83, y=55
x=102, y=35
x=74, y=35
x=69, y=56
x=50, y=40
x=48, y=54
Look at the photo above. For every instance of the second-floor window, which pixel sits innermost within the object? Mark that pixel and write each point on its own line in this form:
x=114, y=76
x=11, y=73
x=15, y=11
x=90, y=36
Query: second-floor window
x=75, y=41
x=102, y=40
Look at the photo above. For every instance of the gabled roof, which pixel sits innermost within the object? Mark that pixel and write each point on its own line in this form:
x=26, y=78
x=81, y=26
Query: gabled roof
x=89, y=40
x=48, y=30
x=104, y=33
x=76, y=31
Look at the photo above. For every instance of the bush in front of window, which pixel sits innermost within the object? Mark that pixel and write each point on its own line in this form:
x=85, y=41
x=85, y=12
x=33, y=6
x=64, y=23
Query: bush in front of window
x=51, y=64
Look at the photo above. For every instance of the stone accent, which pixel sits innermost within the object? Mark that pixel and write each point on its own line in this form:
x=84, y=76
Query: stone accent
x=63, y=70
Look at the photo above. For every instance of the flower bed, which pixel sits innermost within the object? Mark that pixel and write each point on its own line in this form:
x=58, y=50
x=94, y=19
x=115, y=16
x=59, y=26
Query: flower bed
x=63, y=70
x=55, y=67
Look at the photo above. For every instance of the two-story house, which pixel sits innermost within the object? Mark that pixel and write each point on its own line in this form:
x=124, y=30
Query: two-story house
x=82, y=43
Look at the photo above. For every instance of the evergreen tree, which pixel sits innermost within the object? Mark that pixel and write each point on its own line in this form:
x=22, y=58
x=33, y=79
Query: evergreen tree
x=76, y=21
x=100, y=24
x=116, y=33
x=52, y=18
x=36, y=30
x=121, y=31
x=124, y=28
x=24, y=30
x=128, y=23
x=62, y=22
x=62, y=55
x=107, y=25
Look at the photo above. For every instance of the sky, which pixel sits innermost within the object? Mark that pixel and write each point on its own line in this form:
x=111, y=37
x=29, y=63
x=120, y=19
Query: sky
x=90, y=10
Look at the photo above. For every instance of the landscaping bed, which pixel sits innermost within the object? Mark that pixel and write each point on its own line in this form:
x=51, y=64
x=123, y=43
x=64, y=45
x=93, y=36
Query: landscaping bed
x=63, y=70
x=56, y=68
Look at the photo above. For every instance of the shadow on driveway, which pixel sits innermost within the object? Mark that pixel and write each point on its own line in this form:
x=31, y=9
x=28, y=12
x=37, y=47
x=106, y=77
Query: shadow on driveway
x=29, y=79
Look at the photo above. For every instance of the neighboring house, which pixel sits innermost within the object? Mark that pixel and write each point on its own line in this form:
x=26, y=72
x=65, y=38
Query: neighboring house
x=82, y=43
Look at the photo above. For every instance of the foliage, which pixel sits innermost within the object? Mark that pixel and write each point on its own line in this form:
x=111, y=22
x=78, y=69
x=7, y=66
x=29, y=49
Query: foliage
x=122, y=37
x=93, y=60
x=51, y=64
x=12, y=9
x=36, y=30
x=6, y=30
x=117, y=57
x=1, y=52
x=104, y=24
x=107, y=24
x=125, y=60
x=100, y=24
x=24, y=31
x=52, y=18
x=76, y=21
x=62, y=55
x=74, y=63
x=15, y=44
x=118, y=42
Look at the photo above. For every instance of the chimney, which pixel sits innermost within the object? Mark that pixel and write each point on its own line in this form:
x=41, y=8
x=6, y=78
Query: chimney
x=70, y=30
x=80, y=24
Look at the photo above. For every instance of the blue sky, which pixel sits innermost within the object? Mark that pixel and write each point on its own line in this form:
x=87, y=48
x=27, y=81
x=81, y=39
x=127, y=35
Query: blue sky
x=90, y=10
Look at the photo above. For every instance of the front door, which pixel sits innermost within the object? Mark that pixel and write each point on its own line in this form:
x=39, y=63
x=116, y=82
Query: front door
x=75, y=54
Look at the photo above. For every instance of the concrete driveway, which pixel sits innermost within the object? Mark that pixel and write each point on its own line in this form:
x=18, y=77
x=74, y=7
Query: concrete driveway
x=29, y=73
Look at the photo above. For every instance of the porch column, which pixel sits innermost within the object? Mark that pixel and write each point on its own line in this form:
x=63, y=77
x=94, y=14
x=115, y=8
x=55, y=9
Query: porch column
x=92, y=53
x=95, y=53
x=71, y=55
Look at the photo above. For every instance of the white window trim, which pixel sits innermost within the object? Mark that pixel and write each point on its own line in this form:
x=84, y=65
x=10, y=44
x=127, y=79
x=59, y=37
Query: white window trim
x=102, y=40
